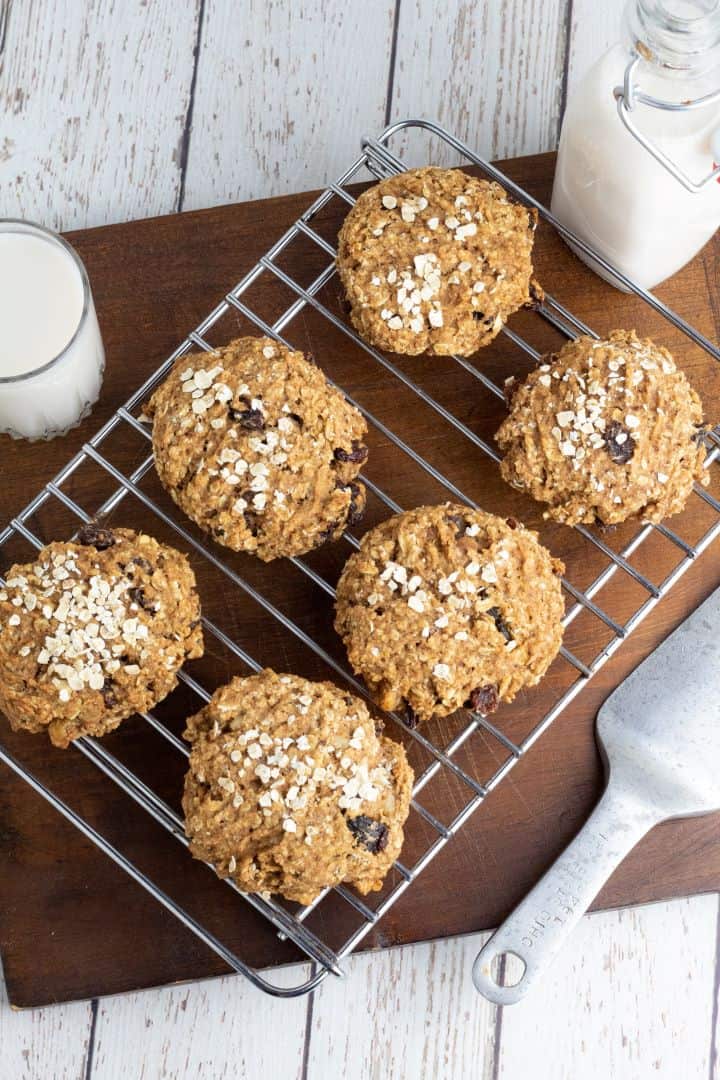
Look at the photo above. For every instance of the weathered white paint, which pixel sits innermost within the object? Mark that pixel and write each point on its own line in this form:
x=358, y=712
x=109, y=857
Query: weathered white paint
x=406, y=1013
x=630, y=998
x=219, y=1029
x=492, y=73
x=594, y=28
x=43, y=1043
x=93, y=98
x=284, y=92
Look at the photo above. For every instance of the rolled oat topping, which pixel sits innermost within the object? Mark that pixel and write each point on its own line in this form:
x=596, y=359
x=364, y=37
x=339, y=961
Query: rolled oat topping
x=435, y=260
x=254, y=445
x=290, y=789
x=93, y=631
x=443, y=600
x=603, y=431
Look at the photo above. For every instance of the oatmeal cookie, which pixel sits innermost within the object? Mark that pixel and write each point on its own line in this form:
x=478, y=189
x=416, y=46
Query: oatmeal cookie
x=290, y=790
x=444, y=606
x=435, y=260
x=93, y=631
x=604, y=431
x=254, y=445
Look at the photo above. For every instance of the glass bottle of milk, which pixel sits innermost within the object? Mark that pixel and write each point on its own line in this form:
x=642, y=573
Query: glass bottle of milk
x=637, y=173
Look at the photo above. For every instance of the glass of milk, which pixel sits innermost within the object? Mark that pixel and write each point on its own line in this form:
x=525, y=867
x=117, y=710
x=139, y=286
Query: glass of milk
x=609, y=188
x=51, y=352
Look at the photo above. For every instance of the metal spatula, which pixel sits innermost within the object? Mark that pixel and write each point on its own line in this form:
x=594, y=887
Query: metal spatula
x=660, y=735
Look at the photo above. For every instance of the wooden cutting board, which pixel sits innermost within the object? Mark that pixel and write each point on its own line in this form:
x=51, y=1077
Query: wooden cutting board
x=74, y=926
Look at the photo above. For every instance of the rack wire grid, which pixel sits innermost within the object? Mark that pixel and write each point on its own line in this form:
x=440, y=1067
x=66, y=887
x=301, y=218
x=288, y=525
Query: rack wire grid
x=378, y=161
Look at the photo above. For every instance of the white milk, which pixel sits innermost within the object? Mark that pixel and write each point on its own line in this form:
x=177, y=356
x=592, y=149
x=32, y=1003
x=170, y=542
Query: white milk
x=614, y=194
x=51, y=353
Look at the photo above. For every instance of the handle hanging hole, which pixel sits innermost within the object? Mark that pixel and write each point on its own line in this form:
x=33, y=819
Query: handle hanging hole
x=507, y=968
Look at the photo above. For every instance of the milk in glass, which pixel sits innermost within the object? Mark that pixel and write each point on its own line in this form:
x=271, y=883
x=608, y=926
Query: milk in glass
x=51, y=352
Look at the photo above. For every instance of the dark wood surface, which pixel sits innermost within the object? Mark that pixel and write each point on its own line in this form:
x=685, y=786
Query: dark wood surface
x=71, y=924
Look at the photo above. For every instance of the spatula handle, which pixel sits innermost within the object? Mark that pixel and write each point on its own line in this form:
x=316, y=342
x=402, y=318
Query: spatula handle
x=538, y=927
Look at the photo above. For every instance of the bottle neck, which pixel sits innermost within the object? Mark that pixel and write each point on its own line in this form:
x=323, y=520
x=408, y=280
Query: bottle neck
x=675, y=37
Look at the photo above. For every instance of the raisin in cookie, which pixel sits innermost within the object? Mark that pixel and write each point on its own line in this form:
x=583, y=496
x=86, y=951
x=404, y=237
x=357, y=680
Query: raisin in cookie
x=253, y=443
x=290, y=790
x=93, y=631
x=444, y=606
x=435, y=260
x=604, y=431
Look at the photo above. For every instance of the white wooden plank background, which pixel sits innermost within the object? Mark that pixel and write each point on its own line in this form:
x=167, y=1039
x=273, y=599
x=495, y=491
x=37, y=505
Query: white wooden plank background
x=113, y=110
x=93, y=109
x=218, y=1029
x=119, y=110
x=286, y=89
x=44, y=1042
x=632, y=998
x=492, y=74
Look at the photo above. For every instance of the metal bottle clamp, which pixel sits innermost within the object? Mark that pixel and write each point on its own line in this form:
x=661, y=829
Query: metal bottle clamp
x=629, y=95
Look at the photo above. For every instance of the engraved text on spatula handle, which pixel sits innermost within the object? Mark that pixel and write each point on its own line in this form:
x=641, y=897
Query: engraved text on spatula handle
x=536, y=930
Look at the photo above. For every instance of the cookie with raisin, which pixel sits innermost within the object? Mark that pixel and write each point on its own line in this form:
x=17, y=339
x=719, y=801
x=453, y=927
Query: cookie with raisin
x=435, y=261
x=446, y=607
x=604, y=431
x=94, y=630
x=290, y=789
x=255, y=446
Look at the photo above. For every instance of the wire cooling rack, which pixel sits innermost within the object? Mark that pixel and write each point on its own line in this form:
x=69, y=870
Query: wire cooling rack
x=376, y=161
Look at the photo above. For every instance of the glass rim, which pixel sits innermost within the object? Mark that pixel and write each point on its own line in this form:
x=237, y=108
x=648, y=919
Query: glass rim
x=33, y=227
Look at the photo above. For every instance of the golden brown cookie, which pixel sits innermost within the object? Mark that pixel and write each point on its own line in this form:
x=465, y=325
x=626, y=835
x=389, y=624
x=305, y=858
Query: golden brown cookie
x=290, y=790
x=93, y=631
x=435, y=260
x=604, y=431
x=254, y=445
x=444, y=606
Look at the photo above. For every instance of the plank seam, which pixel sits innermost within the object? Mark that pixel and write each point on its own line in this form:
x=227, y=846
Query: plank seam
x=497, y=1029
x=89, y=1061
x=566, y=66
x=392, y=64
x=308, y=1027
x=187, y=128
x=5, y=10
x=716, y=991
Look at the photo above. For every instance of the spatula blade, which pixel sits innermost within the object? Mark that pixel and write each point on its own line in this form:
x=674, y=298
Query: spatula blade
x=660, y=729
